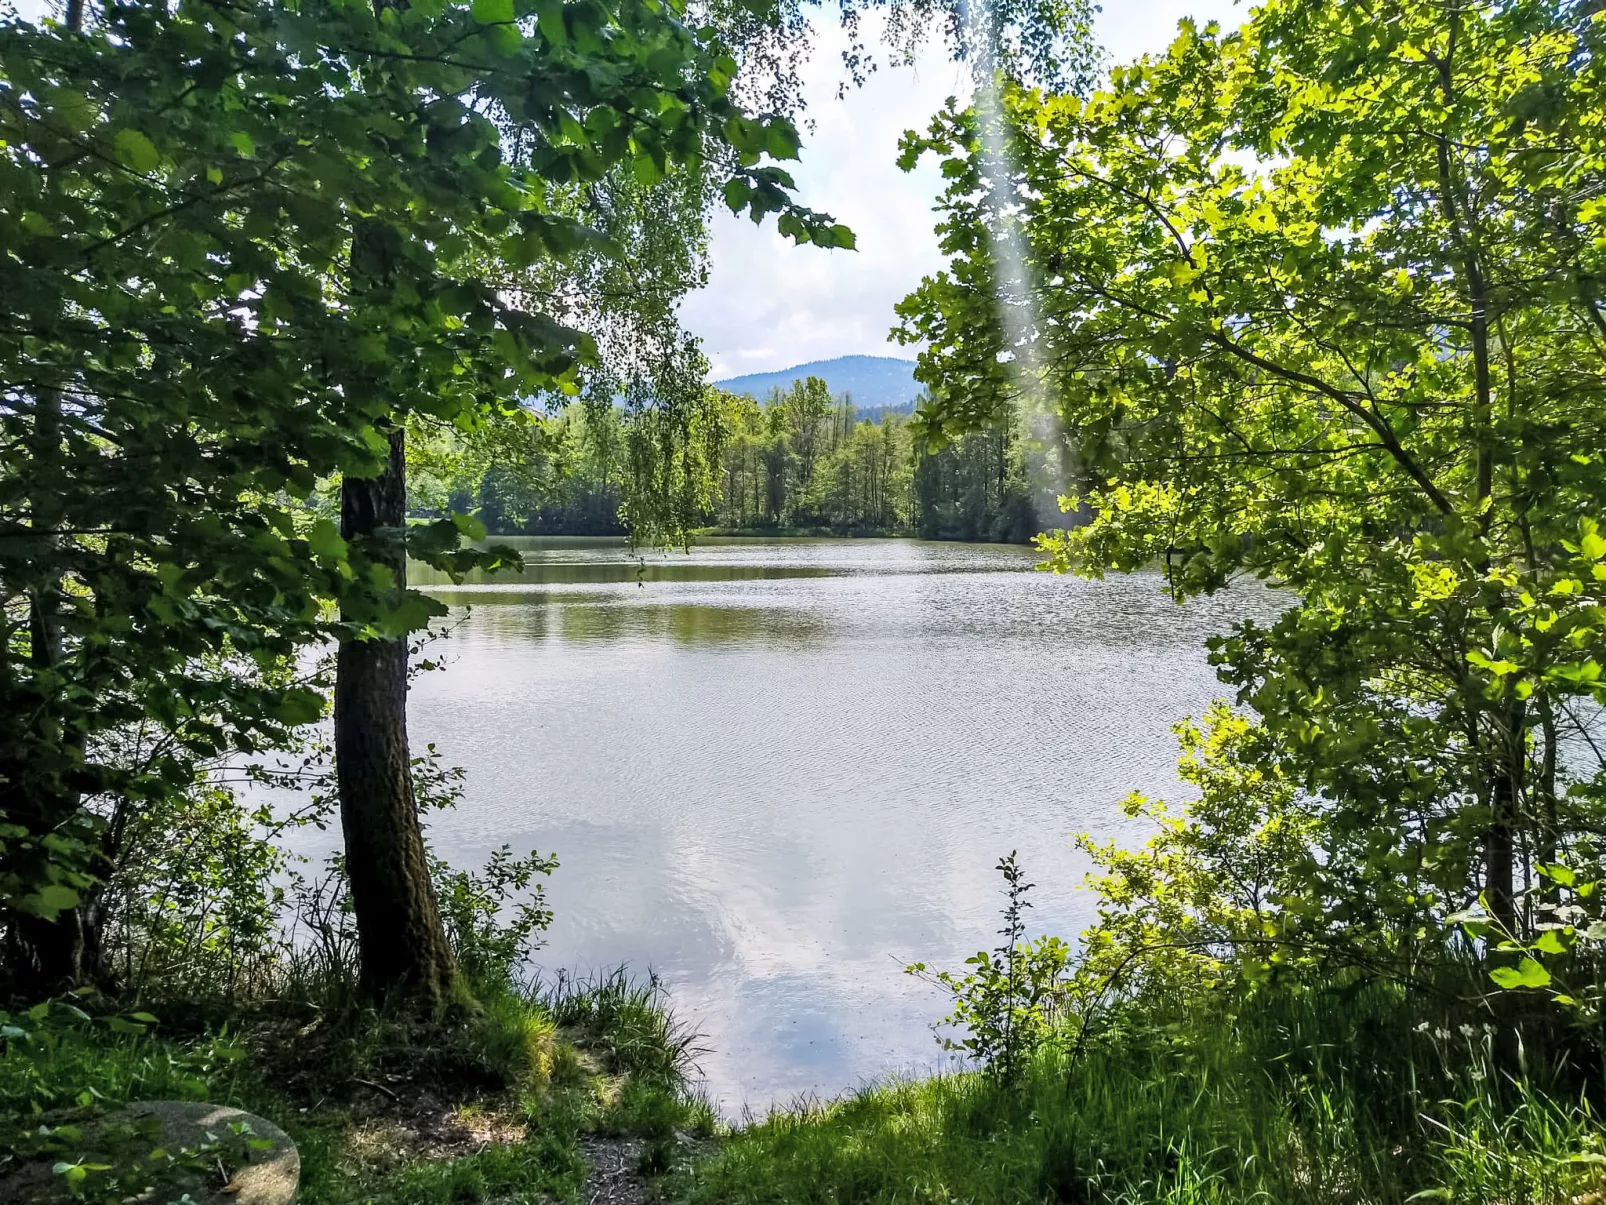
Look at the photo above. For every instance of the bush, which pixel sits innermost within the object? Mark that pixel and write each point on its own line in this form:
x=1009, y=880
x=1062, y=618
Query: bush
x=1009, y=1004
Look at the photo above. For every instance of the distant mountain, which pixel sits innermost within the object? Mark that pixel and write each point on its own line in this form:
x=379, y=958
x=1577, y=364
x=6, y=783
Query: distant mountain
x=876, y=383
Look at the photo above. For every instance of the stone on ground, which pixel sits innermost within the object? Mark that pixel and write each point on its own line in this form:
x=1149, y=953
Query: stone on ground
x=262, y=1163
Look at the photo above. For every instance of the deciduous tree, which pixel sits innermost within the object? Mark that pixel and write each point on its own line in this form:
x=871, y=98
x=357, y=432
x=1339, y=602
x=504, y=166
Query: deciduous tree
x=1319, y=301
x=243, y=245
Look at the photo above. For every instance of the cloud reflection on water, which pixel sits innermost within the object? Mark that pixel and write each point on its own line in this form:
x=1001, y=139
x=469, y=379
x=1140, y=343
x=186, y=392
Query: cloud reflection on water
x=777, y=773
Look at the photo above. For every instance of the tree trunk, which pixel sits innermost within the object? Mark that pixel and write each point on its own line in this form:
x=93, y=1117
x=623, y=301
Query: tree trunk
x=1499, y=856
x=45, y=957
x=404, y=952
x=1506, y=756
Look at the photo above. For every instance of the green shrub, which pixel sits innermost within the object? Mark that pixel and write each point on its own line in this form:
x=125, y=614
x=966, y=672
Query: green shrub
x=1009, y=1003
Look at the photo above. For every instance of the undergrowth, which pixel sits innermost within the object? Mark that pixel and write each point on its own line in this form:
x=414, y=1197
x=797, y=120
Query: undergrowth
x=383, y=1109
x=1309, y=1097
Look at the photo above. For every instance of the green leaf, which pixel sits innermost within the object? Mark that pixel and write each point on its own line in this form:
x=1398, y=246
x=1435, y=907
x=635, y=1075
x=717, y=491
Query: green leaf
x=470, y=527
x=1592, y=543
x=781, y=140
x=325, y=540
x=647, y=171
x=492, y=12
x=412, y=614
x=1483, y=661
x=1559, y=874
x=136, y=151
x=737, y=193
x=549, y=17
x=1550, y=942
x=51, y=900
x=299, y=706
x=1526, y=973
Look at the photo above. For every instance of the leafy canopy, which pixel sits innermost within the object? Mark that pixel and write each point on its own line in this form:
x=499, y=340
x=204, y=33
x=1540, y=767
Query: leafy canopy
x=1319, y=301
x=242, y=244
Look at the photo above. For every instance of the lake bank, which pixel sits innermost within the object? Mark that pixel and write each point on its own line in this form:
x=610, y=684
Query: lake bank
x=581, y=1096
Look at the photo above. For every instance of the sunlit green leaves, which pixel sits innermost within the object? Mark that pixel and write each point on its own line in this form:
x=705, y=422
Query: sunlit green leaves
x=492, y=12
x=1526, y=974
x=324, y=539
x=1258, y=308
x=136, y=151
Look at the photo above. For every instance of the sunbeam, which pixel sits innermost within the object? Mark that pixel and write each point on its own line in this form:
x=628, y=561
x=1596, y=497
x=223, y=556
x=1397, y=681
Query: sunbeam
x=1040, y=428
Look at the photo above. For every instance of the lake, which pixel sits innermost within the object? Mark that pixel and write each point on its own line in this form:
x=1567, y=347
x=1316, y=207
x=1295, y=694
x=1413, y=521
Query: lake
x=775, y=773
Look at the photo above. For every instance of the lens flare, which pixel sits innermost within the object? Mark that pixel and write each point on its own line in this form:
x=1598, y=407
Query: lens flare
x=1040, y=430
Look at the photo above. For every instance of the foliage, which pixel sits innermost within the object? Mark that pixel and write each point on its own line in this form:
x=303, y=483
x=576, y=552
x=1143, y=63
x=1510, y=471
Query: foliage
x=1010, y=1004
x=1307, y=1097
x=800, y=461
x=977, y=487
x=546, y=1104
x=488, y=944
x=206, y=905
x=320, y=223
x=1539, y=1150
x=60, y=1062
x=1216, y=892
x=1317, y=301
x=46, y=1067
x=627, y=1021
x=198, y=886
x=1563, y=956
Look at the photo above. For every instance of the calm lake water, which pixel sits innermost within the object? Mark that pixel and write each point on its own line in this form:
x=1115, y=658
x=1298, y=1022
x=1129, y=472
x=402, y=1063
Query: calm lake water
x=776, y=773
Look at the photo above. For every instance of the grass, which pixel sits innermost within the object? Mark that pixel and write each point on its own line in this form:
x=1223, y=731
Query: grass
x=1312, y=1099
x=1298, y=1098
x=497, y=1109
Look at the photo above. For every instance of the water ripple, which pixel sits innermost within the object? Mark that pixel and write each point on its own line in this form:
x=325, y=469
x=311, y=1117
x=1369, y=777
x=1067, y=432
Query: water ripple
x=778, y=772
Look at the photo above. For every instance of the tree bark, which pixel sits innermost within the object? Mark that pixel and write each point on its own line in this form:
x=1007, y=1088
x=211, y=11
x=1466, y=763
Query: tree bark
x=1499, y=855
x=45, y=957
x=403, y=948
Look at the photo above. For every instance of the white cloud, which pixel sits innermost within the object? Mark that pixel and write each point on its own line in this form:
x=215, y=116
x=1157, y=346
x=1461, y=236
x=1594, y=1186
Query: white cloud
x=770, y=304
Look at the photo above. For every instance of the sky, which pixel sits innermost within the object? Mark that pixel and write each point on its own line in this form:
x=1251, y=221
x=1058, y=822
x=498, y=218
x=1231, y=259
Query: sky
x=770, y=304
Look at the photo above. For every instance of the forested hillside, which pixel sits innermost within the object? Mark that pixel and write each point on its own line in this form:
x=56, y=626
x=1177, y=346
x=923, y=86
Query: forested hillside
x=801, y=460
x=875, y=384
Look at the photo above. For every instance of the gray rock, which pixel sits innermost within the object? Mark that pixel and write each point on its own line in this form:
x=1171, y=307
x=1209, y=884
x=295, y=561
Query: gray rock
x=266, y=1173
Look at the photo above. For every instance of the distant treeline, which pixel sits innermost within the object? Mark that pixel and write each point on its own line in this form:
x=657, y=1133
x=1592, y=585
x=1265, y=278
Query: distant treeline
x=799, y=461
